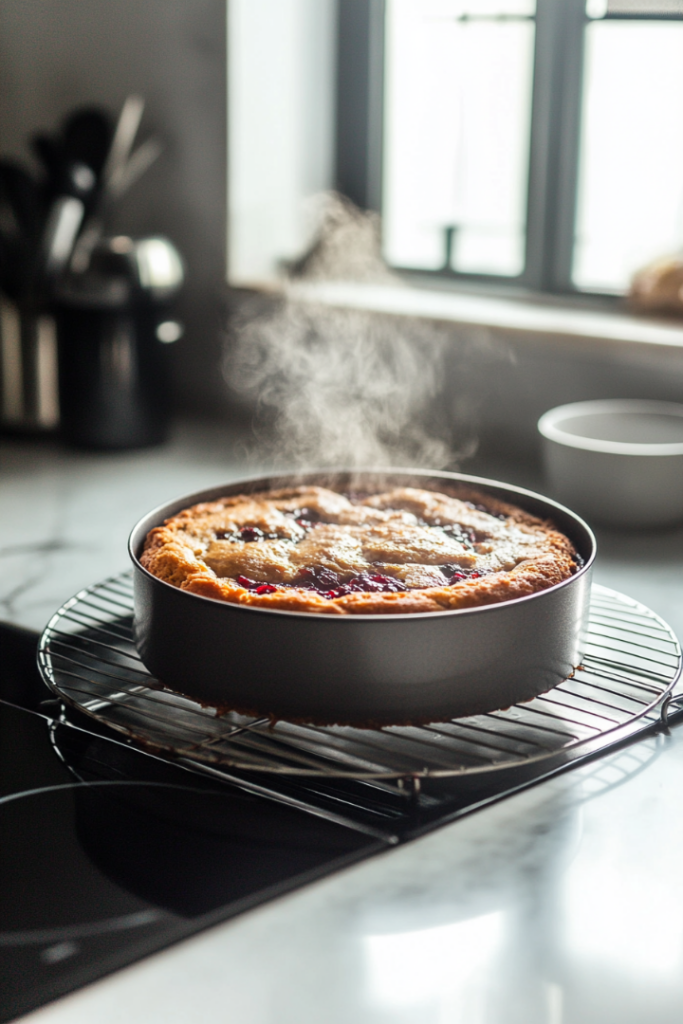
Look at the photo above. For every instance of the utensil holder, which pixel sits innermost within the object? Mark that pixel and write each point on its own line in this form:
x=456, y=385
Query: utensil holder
x=113, y=377
x=29, y=401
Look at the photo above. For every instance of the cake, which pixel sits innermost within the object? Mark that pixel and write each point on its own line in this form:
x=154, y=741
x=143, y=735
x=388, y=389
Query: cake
x=405, y=550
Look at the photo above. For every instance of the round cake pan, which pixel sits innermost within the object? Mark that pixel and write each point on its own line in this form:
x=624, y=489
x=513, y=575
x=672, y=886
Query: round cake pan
x=363, y=670
x=618, y=461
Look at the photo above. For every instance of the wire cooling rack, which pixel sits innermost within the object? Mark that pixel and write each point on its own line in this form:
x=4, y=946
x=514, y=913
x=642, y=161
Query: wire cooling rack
x=88, y=657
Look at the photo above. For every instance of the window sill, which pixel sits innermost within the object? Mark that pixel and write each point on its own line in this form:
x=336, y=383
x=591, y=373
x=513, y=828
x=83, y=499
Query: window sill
x=524, y=315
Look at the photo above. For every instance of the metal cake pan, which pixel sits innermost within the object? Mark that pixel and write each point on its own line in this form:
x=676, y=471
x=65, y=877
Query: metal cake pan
x=363, y=670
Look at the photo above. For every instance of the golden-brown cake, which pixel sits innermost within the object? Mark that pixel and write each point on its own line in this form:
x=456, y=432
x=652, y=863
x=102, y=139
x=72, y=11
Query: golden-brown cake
x=309, y=549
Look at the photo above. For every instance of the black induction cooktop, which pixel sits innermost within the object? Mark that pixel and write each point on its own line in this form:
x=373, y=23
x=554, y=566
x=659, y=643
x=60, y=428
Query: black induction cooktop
x=108, y=853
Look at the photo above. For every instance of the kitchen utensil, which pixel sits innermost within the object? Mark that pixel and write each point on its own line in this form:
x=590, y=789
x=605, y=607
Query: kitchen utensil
x=87, y=136
x=28, y=368
x=122, y=143
x=22, y=213
x=141, y=160
x=618, y=461
x=23, y=196
x=120, y=171
x=363, y=669
x=49, y=151
x=12, y=266
x=63, y=224
x=76, y=165
x=159, y=268
x=113, y=339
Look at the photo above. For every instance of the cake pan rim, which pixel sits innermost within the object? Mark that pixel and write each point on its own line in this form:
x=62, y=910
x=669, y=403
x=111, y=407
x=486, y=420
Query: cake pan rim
x=169, y=508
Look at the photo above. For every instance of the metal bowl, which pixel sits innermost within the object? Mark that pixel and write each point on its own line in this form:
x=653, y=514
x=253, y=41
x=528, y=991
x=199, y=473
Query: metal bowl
x=364, y=670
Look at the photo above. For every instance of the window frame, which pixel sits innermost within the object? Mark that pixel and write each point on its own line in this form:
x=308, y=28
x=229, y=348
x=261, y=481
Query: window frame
x=554, y=147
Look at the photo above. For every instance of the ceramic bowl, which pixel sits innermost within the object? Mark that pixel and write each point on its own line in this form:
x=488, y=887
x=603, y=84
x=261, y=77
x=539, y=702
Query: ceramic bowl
x=617, y=461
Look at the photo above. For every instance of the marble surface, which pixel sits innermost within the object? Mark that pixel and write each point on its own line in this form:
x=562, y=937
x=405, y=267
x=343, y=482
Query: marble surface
x=66, y=515
x=561, y=905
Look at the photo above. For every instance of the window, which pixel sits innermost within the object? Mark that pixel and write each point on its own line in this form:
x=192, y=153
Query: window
x=630, y=188
x=457, y=105
x=534, y=142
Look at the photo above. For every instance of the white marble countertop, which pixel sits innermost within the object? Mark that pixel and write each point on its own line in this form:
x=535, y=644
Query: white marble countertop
x=66, y=515
x=561, y=905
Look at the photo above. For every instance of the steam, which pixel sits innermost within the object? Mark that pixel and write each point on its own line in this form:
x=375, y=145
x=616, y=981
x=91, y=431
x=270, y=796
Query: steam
x=339, y=387
x=346, y=244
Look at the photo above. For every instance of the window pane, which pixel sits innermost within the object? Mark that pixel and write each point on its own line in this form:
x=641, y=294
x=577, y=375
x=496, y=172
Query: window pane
x=630, y=202
x=457, y=116
x=599, y=8
x=493, y=8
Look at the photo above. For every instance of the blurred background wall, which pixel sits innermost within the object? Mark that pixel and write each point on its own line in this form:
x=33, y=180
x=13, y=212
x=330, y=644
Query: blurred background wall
x=281, y=129
x=58, y=54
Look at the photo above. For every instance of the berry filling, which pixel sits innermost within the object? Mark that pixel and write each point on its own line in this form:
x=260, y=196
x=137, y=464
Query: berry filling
x=456, y=574
x=256, y=585
x=316, y=577
x=249, y=534
x=365, y=583
x=328, y=584
x=305, y=517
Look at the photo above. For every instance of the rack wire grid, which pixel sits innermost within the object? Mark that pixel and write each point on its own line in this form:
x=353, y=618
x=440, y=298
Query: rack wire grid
x=632, y=660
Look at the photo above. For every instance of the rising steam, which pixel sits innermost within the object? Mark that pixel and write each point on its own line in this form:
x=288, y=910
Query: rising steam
x=338, y=387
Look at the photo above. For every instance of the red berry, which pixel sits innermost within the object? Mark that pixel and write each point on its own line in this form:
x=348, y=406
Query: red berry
x=266, y=588
x=250, y=533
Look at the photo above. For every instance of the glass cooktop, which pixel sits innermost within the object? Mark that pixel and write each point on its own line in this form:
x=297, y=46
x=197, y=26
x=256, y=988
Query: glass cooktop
x=108, y=853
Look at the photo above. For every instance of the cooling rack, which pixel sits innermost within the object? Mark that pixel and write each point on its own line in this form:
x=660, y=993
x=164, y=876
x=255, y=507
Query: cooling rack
x=632, y=660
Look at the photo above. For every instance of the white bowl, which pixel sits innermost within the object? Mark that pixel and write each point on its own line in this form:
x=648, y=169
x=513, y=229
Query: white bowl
x=618, y=461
